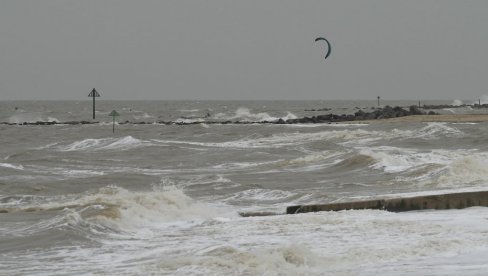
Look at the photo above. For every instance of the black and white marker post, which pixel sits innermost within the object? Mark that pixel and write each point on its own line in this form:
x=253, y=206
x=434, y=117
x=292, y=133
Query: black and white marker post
x=94, y=94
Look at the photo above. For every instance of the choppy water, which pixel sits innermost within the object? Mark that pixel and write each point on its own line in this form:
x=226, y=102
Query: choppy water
x=165, y=199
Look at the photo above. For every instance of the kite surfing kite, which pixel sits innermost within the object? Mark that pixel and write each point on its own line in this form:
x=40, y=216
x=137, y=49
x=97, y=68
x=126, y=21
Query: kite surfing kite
x=328, y=46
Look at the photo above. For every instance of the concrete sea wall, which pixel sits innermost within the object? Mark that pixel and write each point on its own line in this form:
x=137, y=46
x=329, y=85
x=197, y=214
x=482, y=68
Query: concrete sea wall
x=438, y=202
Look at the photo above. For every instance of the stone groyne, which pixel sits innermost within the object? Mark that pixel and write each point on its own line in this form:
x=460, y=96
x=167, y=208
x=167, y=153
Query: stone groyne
x=379, y=113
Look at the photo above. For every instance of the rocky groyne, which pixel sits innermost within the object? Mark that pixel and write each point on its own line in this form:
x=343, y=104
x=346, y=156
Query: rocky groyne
x=379, y=113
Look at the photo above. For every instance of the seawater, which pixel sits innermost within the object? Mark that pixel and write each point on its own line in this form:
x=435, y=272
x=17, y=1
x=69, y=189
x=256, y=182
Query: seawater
x=165, y=199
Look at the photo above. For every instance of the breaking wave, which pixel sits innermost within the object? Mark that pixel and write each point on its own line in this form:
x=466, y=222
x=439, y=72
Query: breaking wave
x=288, y=139
x=430, y=131
x=245, y=115
x=124, y=143
x=119, y=209
x=12, y=166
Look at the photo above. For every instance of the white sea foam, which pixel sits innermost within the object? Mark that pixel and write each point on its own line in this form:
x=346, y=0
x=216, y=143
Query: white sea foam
x=144, y=115
x=290, y=139
x=262, y=195
x=124, y=210
x=12, y=166
x=430, y=131
x=189, y=121
x=440, y=168
x=393, y=159
x=30, y=118
x=244, y=114
x=464, y=170
x=436, y=130
x=124, y=143
x=457, y=102
x=336, y=243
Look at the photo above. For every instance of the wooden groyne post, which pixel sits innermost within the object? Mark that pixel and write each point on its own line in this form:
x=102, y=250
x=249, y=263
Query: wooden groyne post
x=438, y=202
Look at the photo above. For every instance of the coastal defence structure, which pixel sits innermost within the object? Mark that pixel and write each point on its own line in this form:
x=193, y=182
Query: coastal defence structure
x=438, y=202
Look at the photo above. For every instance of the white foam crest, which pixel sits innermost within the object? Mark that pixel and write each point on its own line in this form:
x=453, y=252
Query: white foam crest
x=261, y=195
x=245, y=114
x=430, y=131
x=310, y=162
x=313, y=157
x=392, y=159
x=119, y=209
x=165, y=204
x=145, y=115
x=330, y=243
x=462, y=171
x=457, y=102
x=240, y=165
x=436, y=129
x=30, y=118
x=189, y=121
x=289, y=116
x=12, y=166
x=52, y=119
x=291, y=259
x=357, y=136
x=198, y=180
x=124, y=143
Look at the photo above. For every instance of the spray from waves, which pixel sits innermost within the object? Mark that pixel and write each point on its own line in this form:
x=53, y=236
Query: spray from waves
x=30, y=118
x=245, y=115
x=145, y=115
x=465, y=170
x=436, y=168
x=116, y=209
x=430, y=131
x=189, y=120
x=124, y=143
x=457, y=102
x=394, y=160
x=433, y=130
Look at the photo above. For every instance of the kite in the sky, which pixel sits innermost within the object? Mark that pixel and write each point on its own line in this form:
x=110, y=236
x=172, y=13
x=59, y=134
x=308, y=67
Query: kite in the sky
x=329, y=48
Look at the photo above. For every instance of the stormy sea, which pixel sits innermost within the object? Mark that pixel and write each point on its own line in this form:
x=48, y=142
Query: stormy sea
x=167, y=199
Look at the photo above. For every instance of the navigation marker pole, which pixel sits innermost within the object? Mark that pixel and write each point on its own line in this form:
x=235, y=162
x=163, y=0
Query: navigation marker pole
x=378, y=101
x=113, y=114
x=94, y=94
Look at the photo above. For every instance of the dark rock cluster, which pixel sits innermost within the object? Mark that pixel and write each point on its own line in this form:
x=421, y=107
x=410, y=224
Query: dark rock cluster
x=379, y=113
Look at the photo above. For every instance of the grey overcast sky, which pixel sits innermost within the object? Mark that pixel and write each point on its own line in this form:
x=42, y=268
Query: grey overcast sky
x=243, y=50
